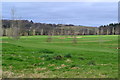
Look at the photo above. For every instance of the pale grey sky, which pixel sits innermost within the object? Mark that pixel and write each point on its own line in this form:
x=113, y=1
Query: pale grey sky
x=78, y=13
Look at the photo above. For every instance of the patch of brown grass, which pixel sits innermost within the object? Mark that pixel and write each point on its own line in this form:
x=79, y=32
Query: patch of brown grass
x=3, y=42
x=75, y=68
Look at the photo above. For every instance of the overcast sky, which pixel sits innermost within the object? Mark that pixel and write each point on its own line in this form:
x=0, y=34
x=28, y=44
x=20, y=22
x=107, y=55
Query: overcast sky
x=59, y=0
x=78, y=13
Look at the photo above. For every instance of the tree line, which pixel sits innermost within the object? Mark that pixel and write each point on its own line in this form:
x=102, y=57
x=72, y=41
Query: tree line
x=111, y=29
x=16, y=28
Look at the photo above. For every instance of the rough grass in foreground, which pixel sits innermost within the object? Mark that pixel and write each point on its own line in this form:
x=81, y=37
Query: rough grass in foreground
x=33, y=57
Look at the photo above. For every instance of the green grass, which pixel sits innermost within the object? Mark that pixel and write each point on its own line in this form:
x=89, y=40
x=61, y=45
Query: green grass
x=92, y=57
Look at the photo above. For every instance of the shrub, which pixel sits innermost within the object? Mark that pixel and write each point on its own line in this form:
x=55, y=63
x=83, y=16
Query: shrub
x=13, y=58
x=46, y=51
x=48, y=58
x=20, y=46
x=44, y=56
x=68, y=56
x=81, y=58
x=49, y=39
x=73, y=65
x=91, y=63
x=58, y=57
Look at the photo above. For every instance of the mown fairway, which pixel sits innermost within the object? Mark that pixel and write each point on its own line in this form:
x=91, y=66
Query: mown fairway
x=91, y=57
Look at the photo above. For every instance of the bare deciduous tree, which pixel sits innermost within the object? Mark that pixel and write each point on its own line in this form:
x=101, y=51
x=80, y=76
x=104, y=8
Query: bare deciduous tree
x=1, y=30
x=49, y=38
x=33, y=32
x=14, y=31
x=113, y=31
x=74, y=37
x=41, y=32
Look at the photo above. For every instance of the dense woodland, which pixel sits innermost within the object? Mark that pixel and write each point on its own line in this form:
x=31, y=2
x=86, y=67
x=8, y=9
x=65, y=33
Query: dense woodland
x=29, y=28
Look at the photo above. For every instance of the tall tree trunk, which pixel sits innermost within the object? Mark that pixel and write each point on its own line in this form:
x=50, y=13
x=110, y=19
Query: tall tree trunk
x=49, y=38
x=88, y=31
x=33, y=32
x=74, y=38
x=1, y=29
x=107, y=31
x=113, y=31
x=41, y=32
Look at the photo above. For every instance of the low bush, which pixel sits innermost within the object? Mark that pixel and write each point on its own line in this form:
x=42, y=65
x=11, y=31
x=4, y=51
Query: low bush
x=13, y=58
x=91, y=63
x=58, y=57
x=81, y=58
x=68, y=56
x=46, y=51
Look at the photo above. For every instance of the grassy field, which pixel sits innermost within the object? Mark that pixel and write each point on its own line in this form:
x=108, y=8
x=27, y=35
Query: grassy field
x=32, y=57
